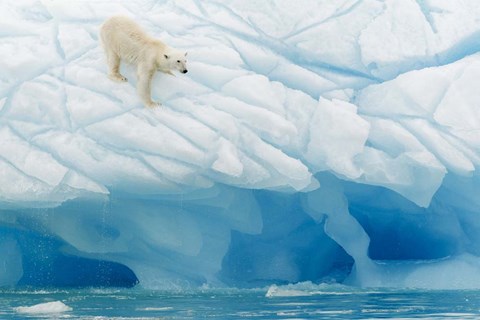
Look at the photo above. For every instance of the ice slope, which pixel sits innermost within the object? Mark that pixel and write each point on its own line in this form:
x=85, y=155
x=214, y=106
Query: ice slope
x=310, y=141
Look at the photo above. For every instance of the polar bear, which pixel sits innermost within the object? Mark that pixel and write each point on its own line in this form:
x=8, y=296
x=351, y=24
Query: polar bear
x=123, y=39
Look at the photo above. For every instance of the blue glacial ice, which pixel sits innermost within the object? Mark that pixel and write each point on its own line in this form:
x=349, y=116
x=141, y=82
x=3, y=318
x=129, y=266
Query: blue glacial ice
x=311, y=141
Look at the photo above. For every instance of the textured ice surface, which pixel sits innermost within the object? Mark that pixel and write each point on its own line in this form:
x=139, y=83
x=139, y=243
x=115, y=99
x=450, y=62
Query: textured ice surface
x=310, y=141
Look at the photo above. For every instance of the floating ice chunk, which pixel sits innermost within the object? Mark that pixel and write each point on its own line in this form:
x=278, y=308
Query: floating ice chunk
x=155, y=309
x=45, y=308
x=275, y=291
x=307, y=288
x=337, y=135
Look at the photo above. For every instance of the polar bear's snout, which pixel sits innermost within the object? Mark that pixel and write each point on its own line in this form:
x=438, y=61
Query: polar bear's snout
x=181, y=64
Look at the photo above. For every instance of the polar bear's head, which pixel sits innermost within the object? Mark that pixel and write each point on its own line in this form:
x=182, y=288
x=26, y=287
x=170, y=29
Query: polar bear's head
x=176, y=60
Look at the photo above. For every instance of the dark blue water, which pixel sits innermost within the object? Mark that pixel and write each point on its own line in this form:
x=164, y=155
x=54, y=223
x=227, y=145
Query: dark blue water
x=324, y=303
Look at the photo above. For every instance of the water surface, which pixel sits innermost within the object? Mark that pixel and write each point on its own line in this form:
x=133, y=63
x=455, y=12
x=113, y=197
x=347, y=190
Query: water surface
x=320, y=303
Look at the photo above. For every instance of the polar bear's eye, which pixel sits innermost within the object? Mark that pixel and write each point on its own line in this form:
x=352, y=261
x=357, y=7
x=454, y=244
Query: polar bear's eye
x=178, y=61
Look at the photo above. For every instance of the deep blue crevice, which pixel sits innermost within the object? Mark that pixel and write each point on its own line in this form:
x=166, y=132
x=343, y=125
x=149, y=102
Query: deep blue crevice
x=399, y=229
x=45, y=265
x=292, y=247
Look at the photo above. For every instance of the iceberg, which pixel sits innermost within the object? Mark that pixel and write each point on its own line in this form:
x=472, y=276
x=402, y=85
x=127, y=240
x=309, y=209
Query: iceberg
x=315, y=141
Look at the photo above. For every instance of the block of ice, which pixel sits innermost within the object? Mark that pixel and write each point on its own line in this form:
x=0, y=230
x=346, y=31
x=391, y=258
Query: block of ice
x=337, y=135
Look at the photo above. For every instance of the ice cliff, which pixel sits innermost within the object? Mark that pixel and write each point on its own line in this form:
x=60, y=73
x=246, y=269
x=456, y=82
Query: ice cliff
x=334, y=140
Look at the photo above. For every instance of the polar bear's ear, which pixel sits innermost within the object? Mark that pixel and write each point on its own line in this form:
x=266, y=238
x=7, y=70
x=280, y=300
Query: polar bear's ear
x=186, y=53
x=166, y=56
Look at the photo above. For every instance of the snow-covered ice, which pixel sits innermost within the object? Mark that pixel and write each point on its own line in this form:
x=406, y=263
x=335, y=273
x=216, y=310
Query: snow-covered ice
x=310, y=141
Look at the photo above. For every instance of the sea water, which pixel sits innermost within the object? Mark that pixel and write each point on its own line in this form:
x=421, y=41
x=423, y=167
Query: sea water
x=329, y=302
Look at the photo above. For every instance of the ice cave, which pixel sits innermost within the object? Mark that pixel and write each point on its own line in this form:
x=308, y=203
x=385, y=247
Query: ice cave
x=333, y=141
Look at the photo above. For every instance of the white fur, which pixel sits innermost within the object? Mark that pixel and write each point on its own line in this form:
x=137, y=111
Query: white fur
x=123, y=39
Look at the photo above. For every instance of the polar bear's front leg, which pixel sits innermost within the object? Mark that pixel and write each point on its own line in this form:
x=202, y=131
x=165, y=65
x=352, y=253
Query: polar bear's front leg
x=114, y=66
x=144, y=86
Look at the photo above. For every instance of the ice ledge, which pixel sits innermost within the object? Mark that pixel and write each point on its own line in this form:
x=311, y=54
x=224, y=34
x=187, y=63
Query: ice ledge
x=244, y=116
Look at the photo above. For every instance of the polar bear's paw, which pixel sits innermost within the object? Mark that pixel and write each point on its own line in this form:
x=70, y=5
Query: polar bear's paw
x=153, y=104
x=117, y=77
